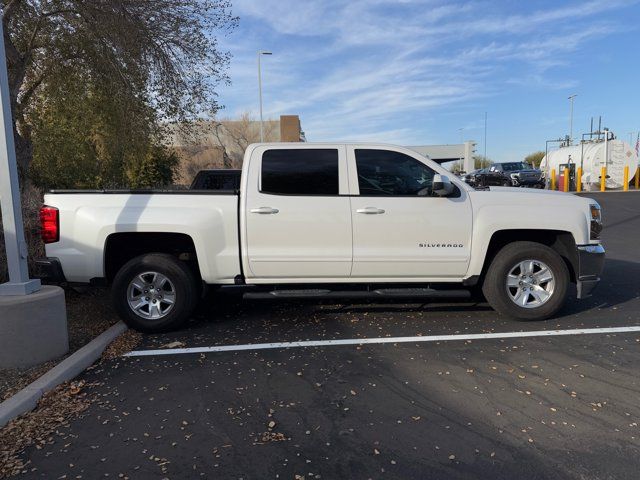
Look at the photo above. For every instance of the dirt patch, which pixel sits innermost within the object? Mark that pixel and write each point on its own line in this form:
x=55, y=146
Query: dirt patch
x=89, y=314
x=123, y=344
x=55, y=409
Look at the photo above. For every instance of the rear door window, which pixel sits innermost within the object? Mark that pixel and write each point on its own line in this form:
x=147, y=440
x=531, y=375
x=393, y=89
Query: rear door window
x=300, y=171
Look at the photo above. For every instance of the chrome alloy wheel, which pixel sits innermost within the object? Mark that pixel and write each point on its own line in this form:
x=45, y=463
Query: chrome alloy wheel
x=530, y=283
x=151, y=295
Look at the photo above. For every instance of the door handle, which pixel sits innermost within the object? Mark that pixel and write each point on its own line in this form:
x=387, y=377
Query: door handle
x=370, y=211
x=264, y=210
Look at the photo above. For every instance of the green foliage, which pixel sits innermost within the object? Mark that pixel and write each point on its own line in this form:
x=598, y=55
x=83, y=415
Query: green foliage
x=155, y=170
x=534, y=158
x=480, y=161
x=91, y=83
x=87, y=136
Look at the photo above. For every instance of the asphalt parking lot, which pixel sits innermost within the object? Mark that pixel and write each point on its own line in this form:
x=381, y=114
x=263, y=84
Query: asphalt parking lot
x=524, y=407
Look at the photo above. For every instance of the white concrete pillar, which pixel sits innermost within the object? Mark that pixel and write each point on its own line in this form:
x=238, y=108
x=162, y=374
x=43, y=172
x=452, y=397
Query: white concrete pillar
x=469, y=152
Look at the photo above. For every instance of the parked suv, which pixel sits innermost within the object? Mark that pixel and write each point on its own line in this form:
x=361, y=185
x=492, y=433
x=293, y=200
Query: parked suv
x=516, y=174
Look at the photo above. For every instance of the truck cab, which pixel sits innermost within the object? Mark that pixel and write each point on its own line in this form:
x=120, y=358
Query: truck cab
x=353, y=212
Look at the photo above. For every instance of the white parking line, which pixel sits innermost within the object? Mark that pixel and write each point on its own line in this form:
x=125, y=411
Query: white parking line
x=364, y=341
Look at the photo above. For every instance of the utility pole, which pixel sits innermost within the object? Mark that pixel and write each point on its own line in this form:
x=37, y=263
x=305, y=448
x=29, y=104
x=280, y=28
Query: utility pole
x=571, y=97
x=260, y=53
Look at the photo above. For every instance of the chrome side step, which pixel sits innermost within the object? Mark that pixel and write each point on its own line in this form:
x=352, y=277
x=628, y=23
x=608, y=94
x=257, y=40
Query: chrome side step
x=366, y=294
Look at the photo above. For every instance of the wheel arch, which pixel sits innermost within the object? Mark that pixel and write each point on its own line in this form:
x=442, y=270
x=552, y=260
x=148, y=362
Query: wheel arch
x=560, y=241
x=123, y=246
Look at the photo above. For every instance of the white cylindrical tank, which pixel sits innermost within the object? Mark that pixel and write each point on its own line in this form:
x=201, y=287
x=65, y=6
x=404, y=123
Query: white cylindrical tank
x=592, y=156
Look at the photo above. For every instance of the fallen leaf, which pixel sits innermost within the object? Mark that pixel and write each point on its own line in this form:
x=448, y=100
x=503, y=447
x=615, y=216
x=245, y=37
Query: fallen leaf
x=173, y=345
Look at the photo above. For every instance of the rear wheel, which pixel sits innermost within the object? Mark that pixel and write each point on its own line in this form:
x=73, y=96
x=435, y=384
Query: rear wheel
x=155, y=292
x=527, y=281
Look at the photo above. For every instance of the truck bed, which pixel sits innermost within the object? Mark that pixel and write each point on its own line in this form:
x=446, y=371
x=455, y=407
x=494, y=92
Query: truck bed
x=142, y=192
x=90, y=218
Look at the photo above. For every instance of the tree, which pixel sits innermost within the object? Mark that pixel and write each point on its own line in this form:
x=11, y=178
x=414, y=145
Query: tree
x=480, y=161
x=87, y=137
x=162, y=53
x=155, y=170
x=220, y=143
x=234, y=136
x=535, y=158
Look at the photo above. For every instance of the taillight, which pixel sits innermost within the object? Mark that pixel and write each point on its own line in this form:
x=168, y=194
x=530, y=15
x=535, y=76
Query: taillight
x=49, y=224
x=596, y=221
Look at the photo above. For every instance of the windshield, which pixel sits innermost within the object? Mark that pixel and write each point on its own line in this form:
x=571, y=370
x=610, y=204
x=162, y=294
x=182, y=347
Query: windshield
x=510, y=167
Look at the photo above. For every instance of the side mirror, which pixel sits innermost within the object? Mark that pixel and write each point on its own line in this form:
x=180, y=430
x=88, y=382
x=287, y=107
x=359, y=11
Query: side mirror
x=442, y=186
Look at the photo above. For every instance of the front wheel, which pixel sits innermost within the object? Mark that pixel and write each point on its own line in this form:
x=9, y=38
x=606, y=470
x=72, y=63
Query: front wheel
x=155, y=293
x=526, y=281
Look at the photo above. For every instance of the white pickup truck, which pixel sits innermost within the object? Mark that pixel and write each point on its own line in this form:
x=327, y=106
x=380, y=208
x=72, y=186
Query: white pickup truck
x=322, y=221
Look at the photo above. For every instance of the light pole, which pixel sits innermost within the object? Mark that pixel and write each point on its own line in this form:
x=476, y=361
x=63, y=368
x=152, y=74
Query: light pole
x=33, y=319
x=485, y=136
x=19, y=282
x=571, y=97
x=460, y=163
x=260, y=53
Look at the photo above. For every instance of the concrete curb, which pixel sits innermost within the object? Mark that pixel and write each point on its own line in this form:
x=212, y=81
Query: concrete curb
x=27, y=398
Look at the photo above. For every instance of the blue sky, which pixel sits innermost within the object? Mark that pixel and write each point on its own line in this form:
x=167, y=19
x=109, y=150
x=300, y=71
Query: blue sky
x=415, y=72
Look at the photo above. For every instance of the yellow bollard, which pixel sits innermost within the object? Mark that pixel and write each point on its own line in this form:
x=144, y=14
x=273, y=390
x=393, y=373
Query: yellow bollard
x=553, y=179
x=637, y=178
x=603, y=178
x=579, y=179
x=565, y=184
x=625, y=186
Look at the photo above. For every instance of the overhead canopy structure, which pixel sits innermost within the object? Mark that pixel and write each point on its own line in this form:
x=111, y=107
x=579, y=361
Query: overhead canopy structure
x=449, y=153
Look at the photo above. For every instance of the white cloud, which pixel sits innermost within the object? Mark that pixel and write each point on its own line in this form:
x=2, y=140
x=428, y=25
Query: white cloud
x=351, y=66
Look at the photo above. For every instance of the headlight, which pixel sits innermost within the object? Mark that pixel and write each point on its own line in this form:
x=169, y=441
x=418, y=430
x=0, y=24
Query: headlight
x=514, y=176
x=596, y=221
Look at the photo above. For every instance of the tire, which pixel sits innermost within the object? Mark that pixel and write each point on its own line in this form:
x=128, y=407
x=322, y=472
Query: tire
x=506, y=183
x=523, y=299
x=164, y=287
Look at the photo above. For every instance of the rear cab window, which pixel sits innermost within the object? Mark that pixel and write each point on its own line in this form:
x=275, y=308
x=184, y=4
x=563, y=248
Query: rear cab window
x=300, y=171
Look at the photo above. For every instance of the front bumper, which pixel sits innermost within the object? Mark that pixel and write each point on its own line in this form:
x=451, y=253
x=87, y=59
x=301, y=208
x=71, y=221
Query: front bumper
x=50, y=270
x=527, y=182
x=590, y=265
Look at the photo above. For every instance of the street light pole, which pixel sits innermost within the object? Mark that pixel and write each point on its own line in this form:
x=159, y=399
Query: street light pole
x=485, y=136
x=260, y=53
x=16, y=247
x=460, y=163
x=571, y=118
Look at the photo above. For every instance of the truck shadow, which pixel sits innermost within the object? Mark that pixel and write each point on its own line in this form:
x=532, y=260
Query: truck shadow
x=619, y=286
